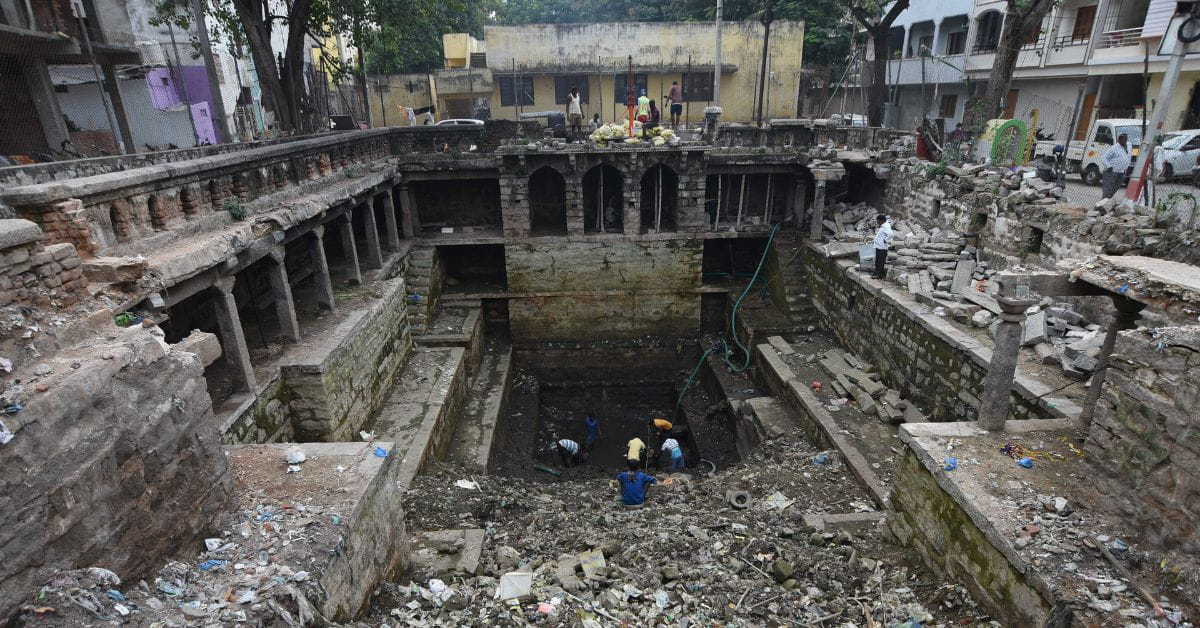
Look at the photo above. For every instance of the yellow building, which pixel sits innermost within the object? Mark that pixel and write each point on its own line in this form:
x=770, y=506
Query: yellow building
x=532, y=67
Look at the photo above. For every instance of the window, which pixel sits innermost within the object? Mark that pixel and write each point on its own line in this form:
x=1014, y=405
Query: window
x=1032, y=38
x=479, y=59
x=697, y=87
x=988, y=35
x=1103, y=135
x=948, y=106
x=525, y=86
x=621, y=81
x=956, y=43
x=563, y=85
x=1085, y=17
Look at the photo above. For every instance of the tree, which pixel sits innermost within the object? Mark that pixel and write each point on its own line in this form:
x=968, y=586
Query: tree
x=280, y=74
x=408, y=33
x=877, y=30
x=1022, y=18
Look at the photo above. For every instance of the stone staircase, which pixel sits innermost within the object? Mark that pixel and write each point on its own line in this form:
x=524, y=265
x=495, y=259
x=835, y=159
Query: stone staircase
x=418, y=278
x=799, y=308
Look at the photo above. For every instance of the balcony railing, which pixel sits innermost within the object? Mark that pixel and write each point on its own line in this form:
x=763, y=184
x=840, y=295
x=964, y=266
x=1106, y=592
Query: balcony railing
x=1070, y=40
x=1123, y=37
x=983, y=48
x=1033, y=45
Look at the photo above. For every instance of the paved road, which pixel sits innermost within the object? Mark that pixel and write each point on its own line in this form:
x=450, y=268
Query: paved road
x=1087, y=195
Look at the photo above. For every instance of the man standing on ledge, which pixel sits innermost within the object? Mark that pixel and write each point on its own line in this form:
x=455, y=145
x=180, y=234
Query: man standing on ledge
x=574, y=113
x=883, y=240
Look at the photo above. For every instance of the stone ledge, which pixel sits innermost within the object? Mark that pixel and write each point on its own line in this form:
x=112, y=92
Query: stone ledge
x=838, y=522
x=16, y=231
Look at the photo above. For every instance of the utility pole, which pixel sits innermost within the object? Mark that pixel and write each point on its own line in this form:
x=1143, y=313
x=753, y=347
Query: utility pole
x=210, y=67
x=179, y=80
x=768, y=16
x=1149, y=138
x=716, y=101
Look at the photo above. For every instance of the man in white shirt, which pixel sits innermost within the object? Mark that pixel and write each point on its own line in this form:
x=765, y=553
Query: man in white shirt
x=568, y=451
x=1116, y=161
x=574, y=112
x=883, y=240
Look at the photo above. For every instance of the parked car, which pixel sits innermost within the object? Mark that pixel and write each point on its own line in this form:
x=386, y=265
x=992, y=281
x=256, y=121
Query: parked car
x=454, y=121
x=1177, y=155
x=1083, y=156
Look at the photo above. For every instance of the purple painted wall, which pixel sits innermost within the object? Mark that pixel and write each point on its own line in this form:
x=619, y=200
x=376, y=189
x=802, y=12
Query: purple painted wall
x=166, y=93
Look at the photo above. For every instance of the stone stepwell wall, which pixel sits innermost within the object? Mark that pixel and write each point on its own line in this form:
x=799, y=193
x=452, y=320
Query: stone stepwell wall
x=1146, y=432
x=604, y=287
x=118, y=465
x=926, y=357
x=328, y=393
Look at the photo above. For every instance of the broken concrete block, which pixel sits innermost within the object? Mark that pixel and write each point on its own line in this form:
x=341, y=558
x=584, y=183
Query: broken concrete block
x=865, y=402
x=982, y=318
x=781, y=345
x=890, y=408
x=206, y=346
x=1035, y=329
x=1085, y=363
x=1091, y=342
x=962, y=275
x=1046, y=353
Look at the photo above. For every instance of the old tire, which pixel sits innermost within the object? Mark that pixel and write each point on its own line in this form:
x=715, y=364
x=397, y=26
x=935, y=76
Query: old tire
x=738, y=499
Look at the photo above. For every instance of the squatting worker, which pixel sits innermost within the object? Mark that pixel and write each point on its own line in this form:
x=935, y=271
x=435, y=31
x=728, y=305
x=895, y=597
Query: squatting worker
x=883, y=240
x=637, y=447
x=633, y=485
x=671, y=448
x=1116, y=162
x=675, y=97
x=574, y=111
x=568, y=450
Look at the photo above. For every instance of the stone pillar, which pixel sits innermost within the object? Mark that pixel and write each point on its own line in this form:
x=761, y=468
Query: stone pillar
x=281, y=292
x=937, y=30
x=904, y=46
x=316, y=252
x=113, y=87
x=408, y=212
x=997, y=385
x=374, y=258
x=350, y=249
x=816, y=228
x=1126, y=316
x=389, y=220
x=233, y=340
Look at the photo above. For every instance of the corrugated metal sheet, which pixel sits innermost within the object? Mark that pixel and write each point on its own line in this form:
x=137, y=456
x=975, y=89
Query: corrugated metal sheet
x=1158, y=16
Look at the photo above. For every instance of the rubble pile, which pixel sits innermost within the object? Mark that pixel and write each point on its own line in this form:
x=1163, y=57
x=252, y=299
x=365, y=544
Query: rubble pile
x=851, y=377
x=259, y=571
x=1061, y=336
x=566, y=553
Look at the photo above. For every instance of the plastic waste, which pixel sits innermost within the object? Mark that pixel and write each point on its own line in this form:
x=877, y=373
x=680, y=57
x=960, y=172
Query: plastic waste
x=212, y=544
x=821, y=458
x=167, y=587
x=1118, y=546
x=816, y=386
x=380, y=452
x=514, y=584
x=1026, y=462
x=295, y=456
x=939, y=311
x=467, y=484
x=950, y=464
x=209, y=565
x=115, y=595
x=5, y=434
x=293, y=468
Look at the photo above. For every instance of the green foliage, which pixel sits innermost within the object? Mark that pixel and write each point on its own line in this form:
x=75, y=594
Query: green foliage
x=234, y=208
x=408, y=37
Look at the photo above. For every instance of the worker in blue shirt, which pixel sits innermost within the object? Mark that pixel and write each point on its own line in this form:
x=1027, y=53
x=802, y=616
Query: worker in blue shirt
x=593, y=430
x=633, y=484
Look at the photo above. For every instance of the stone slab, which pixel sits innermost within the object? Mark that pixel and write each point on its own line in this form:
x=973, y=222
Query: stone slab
x=15, y=232
x=842, y=521
x=1035, y=329
x=445, y=554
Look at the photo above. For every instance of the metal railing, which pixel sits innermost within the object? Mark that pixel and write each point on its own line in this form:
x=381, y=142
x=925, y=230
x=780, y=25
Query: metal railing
x=1119, y=38
x=1070, y=40
x=1034, y=45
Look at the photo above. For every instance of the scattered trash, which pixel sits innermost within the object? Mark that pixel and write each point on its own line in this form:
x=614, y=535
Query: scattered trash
x=115, y=595
x=293, y=469
x=167, y=587
x=514, y=584
x=295, y=456
x=6, y=365
x=544, y=469
x=380, y=452
x=738, y=499
x=12, y=408
x=821, y=458
x=545, y=608
x=121, y=609
x=777, y=501
x=1025, y=462
x=816, y=386
x=209, y=565
x=213, y=544
x=592, y=562
x=939, y=311
x=950, y=464
x=467, y=484
x=5, y=434
x=1118, y=546
x=367, y=436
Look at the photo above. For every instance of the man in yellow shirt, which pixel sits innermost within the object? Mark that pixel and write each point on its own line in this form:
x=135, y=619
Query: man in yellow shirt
x=637, y=447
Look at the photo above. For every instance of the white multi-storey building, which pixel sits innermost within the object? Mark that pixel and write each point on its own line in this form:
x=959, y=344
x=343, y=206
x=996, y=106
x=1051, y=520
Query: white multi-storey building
x=1091, y=59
